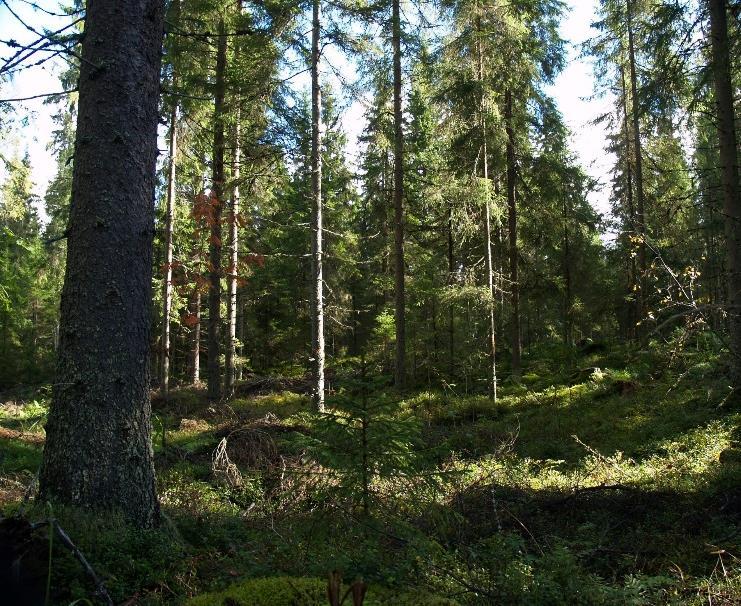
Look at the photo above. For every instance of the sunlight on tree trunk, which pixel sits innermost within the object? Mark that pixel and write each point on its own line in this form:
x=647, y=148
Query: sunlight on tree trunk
x=317, y=265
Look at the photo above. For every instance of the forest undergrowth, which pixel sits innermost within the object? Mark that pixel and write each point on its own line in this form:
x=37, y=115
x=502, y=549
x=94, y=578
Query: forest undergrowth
x=613, y=480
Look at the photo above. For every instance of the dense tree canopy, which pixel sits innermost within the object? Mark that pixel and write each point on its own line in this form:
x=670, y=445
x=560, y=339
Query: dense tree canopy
x=491, y=188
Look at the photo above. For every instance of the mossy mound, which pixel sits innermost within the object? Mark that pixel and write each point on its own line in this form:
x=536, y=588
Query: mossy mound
x=294, y=591
x=275, y=591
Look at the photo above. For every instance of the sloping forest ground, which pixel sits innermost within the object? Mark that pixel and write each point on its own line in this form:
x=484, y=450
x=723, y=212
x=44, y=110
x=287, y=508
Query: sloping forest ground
x=614, y=481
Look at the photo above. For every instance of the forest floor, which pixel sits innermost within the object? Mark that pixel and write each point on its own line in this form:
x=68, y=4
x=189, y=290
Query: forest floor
x=616, y=483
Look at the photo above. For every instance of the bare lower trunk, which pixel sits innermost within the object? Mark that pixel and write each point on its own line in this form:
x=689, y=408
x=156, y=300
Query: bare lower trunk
x=194, y=357
x=230, y=362
x=637, y=149
x=241, y=332
x=167, y=281
x=231, y=286
x=399, y=269
x=568, y=297
x=633, y=305
x=451, y=311
x=214, y=290
x=487, y=237
x=98, y=451
x=512, y=221
x=317, y=277
x=492, y=297
x=728, y=143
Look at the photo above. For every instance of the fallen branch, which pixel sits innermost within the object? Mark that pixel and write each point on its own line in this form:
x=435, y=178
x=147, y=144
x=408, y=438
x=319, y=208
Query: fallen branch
x=622, y=487
x=100, y=589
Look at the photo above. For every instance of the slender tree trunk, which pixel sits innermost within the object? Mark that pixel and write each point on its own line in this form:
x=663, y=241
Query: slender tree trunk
x=230, y=361
x=492, y=293
x=637, y=149
x=487, y=233
x=432, y=360
x=502, y=258
x=167, y=282
x=568, y=297
x=387, y=200
x=194, y=354
x=215, y=245
x=98, y=451
x=241, y=333
x=499, y=257
x=512, y=221
x=451, y=310
x=633, y=305
x=355, y=326
x=317, y=278
x=34, y=332
x=399, y=269
x=728, y=143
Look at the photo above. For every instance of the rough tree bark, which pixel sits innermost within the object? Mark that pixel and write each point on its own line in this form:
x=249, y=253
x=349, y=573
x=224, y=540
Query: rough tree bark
x=728, y=143
x=98, y=451
x=317, y=269
x=215, y=243
x=399, y=269
x=512, y=225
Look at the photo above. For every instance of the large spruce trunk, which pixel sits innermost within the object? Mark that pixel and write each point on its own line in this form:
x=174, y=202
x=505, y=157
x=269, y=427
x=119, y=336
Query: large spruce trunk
x=98, y=450
x=729, y=176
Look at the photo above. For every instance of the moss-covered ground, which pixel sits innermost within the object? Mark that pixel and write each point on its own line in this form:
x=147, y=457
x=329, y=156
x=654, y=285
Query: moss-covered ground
x=616, y=481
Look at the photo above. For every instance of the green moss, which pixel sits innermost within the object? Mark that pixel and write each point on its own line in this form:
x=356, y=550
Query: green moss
x=591, y=488
x=276, y=591
x=17, y=456
x=293, y=591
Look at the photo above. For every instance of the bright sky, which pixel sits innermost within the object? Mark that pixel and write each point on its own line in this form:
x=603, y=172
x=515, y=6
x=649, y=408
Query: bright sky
x=35, y=137
x=571, y=91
